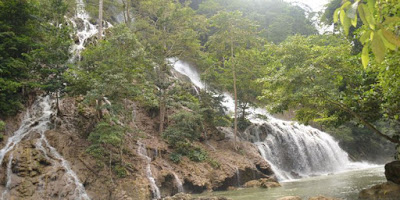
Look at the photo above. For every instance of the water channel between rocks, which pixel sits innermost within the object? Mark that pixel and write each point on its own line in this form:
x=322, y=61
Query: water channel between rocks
x=344, y=185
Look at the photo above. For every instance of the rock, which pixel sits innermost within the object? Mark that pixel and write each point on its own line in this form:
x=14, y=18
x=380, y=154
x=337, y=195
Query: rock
x=322, y=198
x=263, y=183
x=385, y=191
x=182, y=196
x=252, y=184
x=290, y=198
x=392, y=172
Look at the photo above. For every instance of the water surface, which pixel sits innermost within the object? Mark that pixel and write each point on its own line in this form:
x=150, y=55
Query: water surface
x=344, y=185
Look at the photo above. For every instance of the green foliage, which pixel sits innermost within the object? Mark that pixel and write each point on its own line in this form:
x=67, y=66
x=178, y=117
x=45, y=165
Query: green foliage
x=175, y=157
x=187, y=128
x=379, y=31
x=33, y=47
x=120, y=171
x=277, y=19
x=180, y=135
x=116, y=68
x=2, y=125
x=197, y=154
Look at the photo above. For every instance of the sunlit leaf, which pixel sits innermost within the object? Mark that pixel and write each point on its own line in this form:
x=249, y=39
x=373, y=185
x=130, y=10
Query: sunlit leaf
x=362, y=15
x=354, y=21
x=385, y=42
x=369, y=17
x=391, y=37
x=378, y=48
x=352, y=11
x=336, y=15
x=365, y=56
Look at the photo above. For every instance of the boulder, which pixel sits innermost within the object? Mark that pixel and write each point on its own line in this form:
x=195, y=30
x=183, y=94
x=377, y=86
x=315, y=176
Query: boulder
x=182, y=196
x=392, y=172
x=385, y=191
x=263, y=183
x=290, y=198
x=322, y=198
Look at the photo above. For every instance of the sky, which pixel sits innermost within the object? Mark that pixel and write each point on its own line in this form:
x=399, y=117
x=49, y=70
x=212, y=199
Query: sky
x=316, y=5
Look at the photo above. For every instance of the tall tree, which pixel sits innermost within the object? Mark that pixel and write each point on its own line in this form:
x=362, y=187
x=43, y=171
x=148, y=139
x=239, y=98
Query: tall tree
x=167, y=29
x=232, y=33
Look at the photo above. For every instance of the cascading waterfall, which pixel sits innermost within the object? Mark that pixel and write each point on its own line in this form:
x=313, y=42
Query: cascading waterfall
x=84, y=29
x=143, y=153
x=293, y=150
x=37, y=121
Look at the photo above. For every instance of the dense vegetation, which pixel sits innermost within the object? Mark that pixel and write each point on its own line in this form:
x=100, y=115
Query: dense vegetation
x=264, y=52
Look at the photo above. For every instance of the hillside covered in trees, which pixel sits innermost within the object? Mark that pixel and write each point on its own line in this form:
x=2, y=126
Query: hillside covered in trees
x=144, y=99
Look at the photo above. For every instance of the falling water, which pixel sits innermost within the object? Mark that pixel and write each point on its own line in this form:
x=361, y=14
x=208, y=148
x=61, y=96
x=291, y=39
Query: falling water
x=293, y=150
x=9, y=174
x=37, y=121
x=84, y=29
x=237, y=176
x=178, y=182
x=143, y=153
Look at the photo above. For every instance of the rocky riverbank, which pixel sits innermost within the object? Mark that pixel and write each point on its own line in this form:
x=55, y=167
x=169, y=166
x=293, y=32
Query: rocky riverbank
x=34, y=176
x=385, y=191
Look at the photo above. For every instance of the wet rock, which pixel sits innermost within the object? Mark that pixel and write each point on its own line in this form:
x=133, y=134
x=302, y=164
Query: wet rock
x=290, y=198
x=392, y=172
x=385, y=191
x=322, y=198
x=263, y=183
x=182, y=196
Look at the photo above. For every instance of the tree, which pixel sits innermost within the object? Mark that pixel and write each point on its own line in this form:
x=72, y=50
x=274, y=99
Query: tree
x=232, y=33
x=34, y=42
x=167, y=30
x=326, y=88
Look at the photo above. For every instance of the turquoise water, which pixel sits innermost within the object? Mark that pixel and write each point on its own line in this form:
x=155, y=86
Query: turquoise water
x=344, y=185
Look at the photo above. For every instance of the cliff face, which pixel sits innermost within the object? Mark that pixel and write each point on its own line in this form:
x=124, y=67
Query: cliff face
x=30, y=172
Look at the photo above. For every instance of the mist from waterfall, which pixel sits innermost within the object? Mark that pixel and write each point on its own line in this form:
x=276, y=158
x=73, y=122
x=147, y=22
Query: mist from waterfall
x=293, y=150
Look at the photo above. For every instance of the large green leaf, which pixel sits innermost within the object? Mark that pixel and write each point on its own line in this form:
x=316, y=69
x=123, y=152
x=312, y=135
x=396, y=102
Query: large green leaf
x=336, y=15
x=362, y=15
x=352, y=11
x=368, y=16
x=385, y=42
x=391, y=37
x=378, y=48
x=365, y=56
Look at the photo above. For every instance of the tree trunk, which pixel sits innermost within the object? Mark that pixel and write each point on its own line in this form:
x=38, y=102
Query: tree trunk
x=162, y=114
x=234, y=92
x=100, y=19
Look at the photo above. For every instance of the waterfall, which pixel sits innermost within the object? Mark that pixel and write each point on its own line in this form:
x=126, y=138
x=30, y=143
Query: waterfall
x=143, y=153
x=292, y=150
x=37, y=121
x=84, y=29
x=237, y=172
x=9, y=174
x=178, y=182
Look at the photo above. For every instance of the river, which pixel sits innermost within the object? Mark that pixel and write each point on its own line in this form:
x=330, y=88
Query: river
x=345, y=185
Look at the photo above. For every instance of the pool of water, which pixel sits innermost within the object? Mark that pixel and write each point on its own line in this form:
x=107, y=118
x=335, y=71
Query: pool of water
x=345, y=185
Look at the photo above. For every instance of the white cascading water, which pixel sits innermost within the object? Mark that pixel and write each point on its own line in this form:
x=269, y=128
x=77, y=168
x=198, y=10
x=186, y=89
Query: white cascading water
x=178, y=182
x=143, y=153
x=293, y=150
x=37, y=121
x=84, y=29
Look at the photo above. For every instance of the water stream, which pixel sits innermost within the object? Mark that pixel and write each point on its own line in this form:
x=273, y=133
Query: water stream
x=143, y=153
x=37, y=121
x=178, y=183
